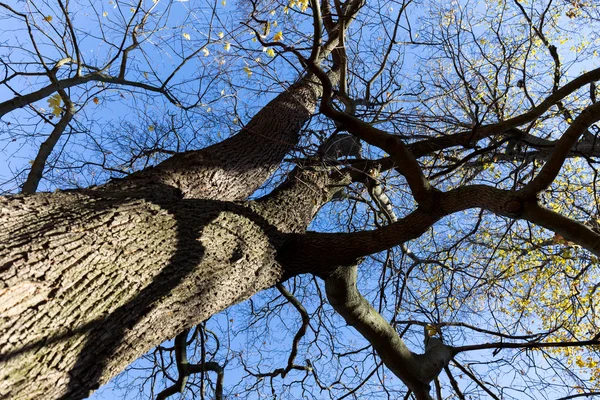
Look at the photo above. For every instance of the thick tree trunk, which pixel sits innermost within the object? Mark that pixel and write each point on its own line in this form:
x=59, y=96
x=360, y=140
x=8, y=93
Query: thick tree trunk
x=235, y=168
x=90, y=283
x=93, y=279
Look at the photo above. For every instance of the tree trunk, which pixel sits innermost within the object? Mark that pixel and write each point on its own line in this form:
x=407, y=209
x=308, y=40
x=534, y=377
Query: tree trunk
x=93, y=279
x=234, y=168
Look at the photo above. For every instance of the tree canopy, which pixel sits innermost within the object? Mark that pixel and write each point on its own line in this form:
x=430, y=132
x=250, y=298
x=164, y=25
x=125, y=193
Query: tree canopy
x=343, y=199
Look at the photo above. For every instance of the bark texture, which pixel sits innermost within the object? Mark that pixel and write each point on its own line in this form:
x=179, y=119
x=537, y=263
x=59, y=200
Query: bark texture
x=93, y=279
x=98, y=281
x=234, y=168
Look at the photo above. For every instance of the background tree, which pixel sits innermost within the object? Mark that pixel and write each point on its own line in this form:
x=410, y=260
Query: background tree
x=457, y=249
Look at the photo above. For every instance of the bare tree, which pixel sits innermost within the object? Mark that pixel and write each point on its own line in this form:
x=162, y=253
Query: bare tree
x=455, y=231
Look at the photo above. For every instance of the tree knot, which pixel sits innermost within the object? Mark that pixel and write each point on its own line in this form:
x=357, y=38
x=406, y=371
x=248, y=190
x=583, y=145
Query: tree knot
x=513, y=207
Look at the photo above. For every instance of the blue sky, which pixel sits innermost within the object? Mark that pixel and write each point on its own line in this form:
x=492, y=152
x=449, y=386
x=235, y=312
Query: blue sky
x=225, y=96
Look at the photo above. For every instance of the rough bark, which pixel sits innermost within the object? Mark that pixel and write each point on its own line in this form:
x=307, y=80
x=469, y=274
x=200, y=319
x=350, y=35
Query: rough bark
x=93, y=279
x=311, y=251
x=234, y=168
x=96, y=281
x=90, y=280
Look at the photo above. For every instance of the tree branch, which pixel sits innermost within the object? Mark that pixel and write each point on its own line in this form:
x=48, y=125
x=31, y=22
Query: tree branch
x=37, y=169
x=185, y=369
x=427, y=146
x=415, y=370
x=301, y=331
x=22, y=101
x=311, y=252
x=561, y=150
x=527, y=345
x=406, y=163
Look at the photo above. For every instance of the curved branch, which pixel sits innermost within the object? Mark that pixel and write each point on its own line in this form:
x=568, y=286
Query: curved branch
x=406, y=162
x=569, y=229
x=37, y=169
x=424, y=147
x=317, y=29
x=22, y=101
x=185, y=369
x=311, y=252
x=561, y=150
x=300, y=334
x=182, y=364
x=415, y=370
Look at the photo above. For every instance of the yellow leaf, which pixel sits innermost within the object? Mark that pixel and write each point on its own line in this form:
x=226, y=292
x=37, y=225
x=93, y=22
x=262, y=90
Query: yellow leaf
x=431, y=330
x=151, y=128
x=146, y=75
x=278, y=37
x=186, y=36
x=224, y=2
x=132, y=9
x=54, y=103
x=54, y=100
x=221, y=34
x=48, y=18
x=248, y=71
x=271, y=53
x=105, y=14
x=227, y=46
x=205, y=52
